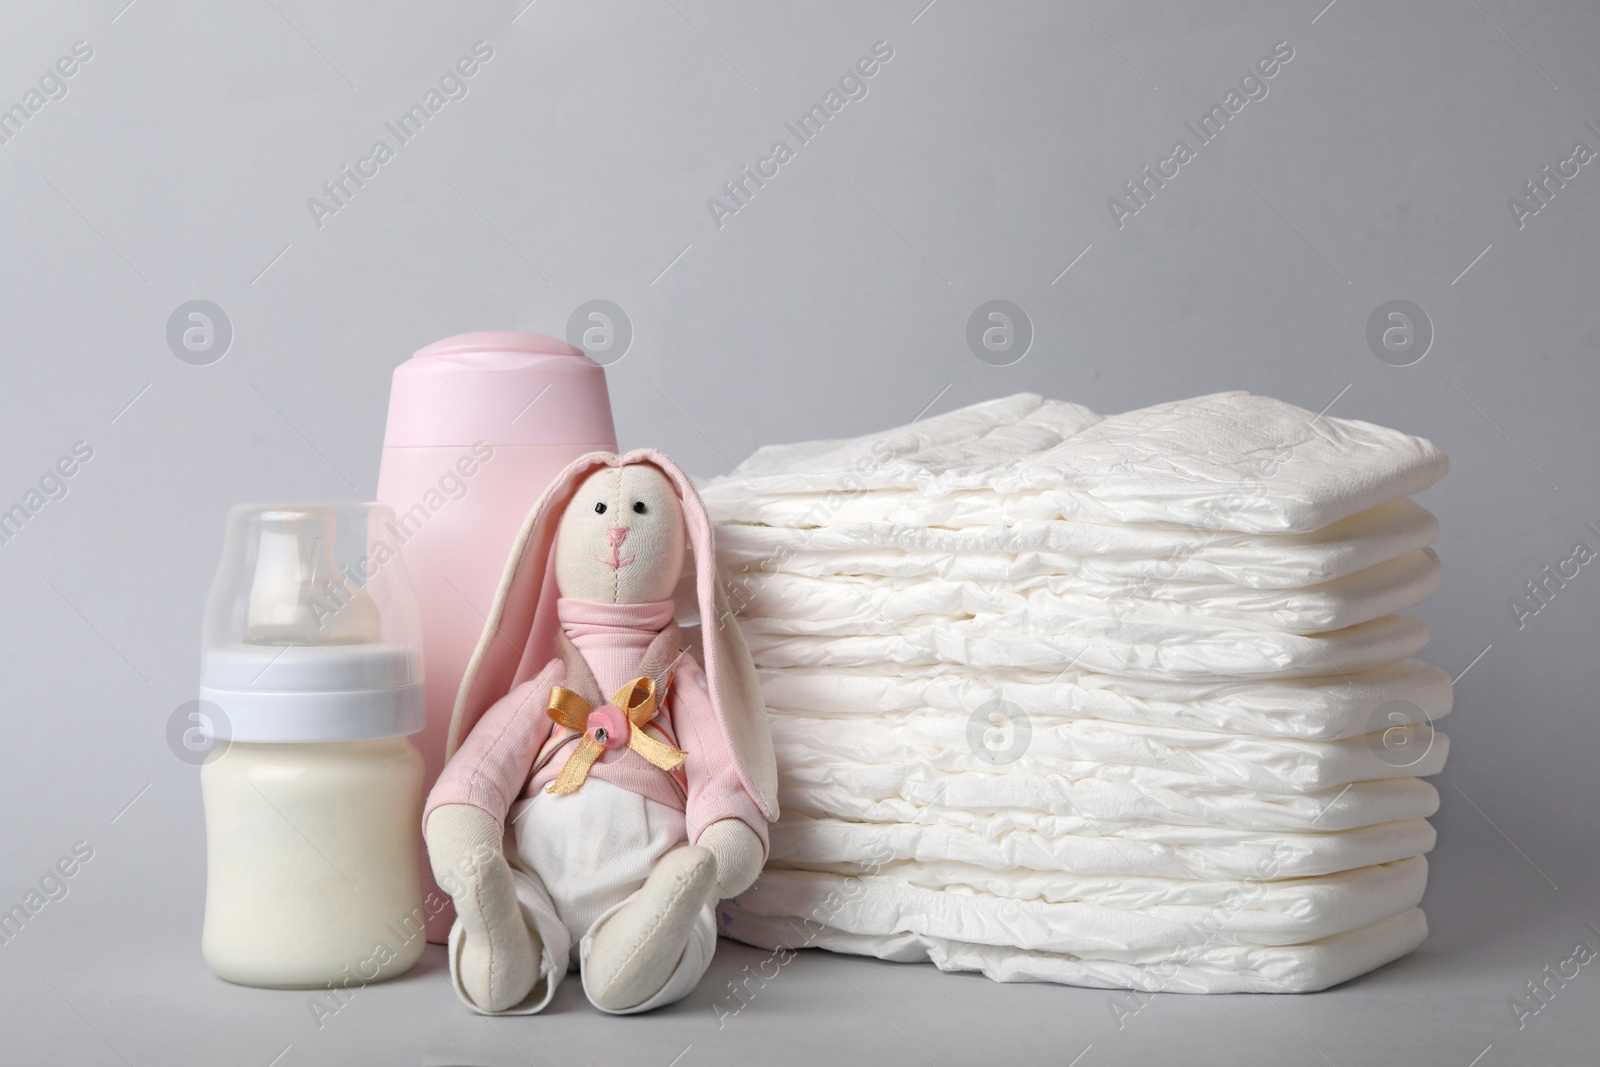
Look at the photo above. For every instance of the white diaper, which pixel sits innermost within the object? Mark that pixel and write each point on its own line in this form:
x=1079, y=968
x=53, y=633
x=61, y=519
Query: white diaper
x=1121, y=701
x=1208, y=967
x=1329, y=708
x=984, y=545
x=1089, y=915
x=1230, y=461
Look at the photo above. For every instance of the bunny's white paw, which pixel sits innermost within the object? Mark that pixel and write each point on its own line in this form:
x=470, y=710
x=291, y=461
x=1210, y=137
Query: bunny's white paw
x=495, y=954
x=636, y=951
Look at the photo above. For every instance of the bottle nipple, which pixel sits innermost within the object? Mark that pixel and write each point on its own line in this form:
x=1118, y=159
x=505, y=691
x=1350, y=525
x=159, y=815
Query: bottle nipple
x=298, y=596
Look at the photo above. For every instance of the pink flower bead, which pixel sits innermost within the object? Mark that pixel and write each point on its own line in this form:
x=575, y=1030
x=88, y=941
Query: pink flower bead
x=608, y=727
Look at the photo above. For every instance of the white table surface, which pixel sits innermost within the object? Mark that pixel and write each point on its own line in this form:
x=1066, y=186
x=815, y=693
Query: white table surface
x=126, y=986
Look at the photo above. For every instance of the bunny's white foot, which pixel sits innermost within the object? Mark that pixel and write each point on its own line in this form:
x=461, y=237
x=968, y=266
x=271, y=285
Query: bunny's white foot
x=497, y=954
x=494, y=952
x=637, y=949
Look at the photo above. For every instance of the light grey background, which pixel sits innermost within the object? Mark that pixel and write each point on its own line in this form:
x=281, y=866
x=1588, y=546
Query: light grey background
x=978, y=167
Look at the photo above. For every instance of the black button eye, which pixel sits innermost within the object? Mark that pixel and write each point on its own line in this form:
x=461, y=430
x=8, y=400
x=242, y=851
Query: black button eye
x=638, y=507
x=599, y=509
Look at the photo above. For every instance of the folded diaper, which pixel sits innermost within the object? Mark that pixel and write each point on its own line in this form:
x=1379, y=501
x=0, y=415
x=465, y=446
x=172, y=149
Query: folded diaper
x=1095, y=806
x=1123, y=701
x=818, y=842
x=804, y=604
x=1205, y=968
x=1111, y=555
x=1086, y=916
x=932, y=750
x=1328, y=708
x=1123, y=647
x=1230, y=462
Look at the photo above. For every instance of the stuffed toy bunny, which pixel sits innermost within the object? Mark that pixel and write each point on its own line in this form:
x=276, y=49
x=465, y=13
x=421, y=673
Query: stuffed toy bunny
x=597, y=804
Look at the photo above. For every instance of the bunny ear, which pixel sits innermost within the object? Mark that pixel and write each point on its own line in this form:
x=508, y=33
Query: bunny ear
x=730, y=672
x=519, y=636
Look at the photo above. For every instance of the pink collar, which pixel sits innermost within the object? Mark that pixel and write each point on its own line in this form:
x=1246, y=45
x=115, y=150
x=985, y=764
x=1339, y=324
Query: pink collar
x=613, y=638
x=586, y=617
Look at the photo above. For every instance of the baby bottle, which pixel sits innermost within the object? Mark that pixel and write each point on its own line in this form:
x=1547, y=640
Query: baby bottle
x=311, y=680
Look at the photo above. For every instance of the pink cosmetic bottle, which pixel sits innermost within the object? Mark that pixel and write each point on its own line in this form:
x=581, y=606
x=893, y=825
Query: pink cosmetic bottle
x=479, y=424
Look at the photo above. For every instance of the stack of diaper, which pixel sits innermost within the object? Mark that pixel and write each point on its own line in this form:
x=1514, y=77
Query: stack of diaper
x=1119, y=701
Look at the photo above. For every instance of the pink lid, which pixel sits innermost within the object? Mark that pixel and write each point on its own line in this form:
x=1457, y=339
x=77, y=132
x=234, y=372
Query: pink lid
x=502, y=387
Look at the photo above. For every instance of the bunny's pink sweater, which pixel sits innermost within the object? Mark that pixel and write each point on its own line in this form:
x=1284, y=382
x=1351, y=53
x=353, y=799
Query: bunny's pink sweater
x=492, y=768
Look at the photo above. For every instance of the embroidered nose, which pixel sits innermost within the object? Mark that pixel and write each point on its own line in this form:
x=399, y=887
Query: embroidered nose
x=615, y=535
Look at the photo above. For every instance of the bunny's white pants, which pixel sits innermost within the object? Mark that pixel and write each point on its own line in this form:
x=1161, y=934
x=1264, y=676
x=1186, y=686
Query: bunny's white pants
x=578, y=858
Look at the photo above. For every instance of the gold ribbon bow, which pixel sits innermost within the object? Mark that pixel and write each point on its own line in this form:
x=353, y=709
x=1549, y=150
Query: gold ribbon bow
x=636, y=700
